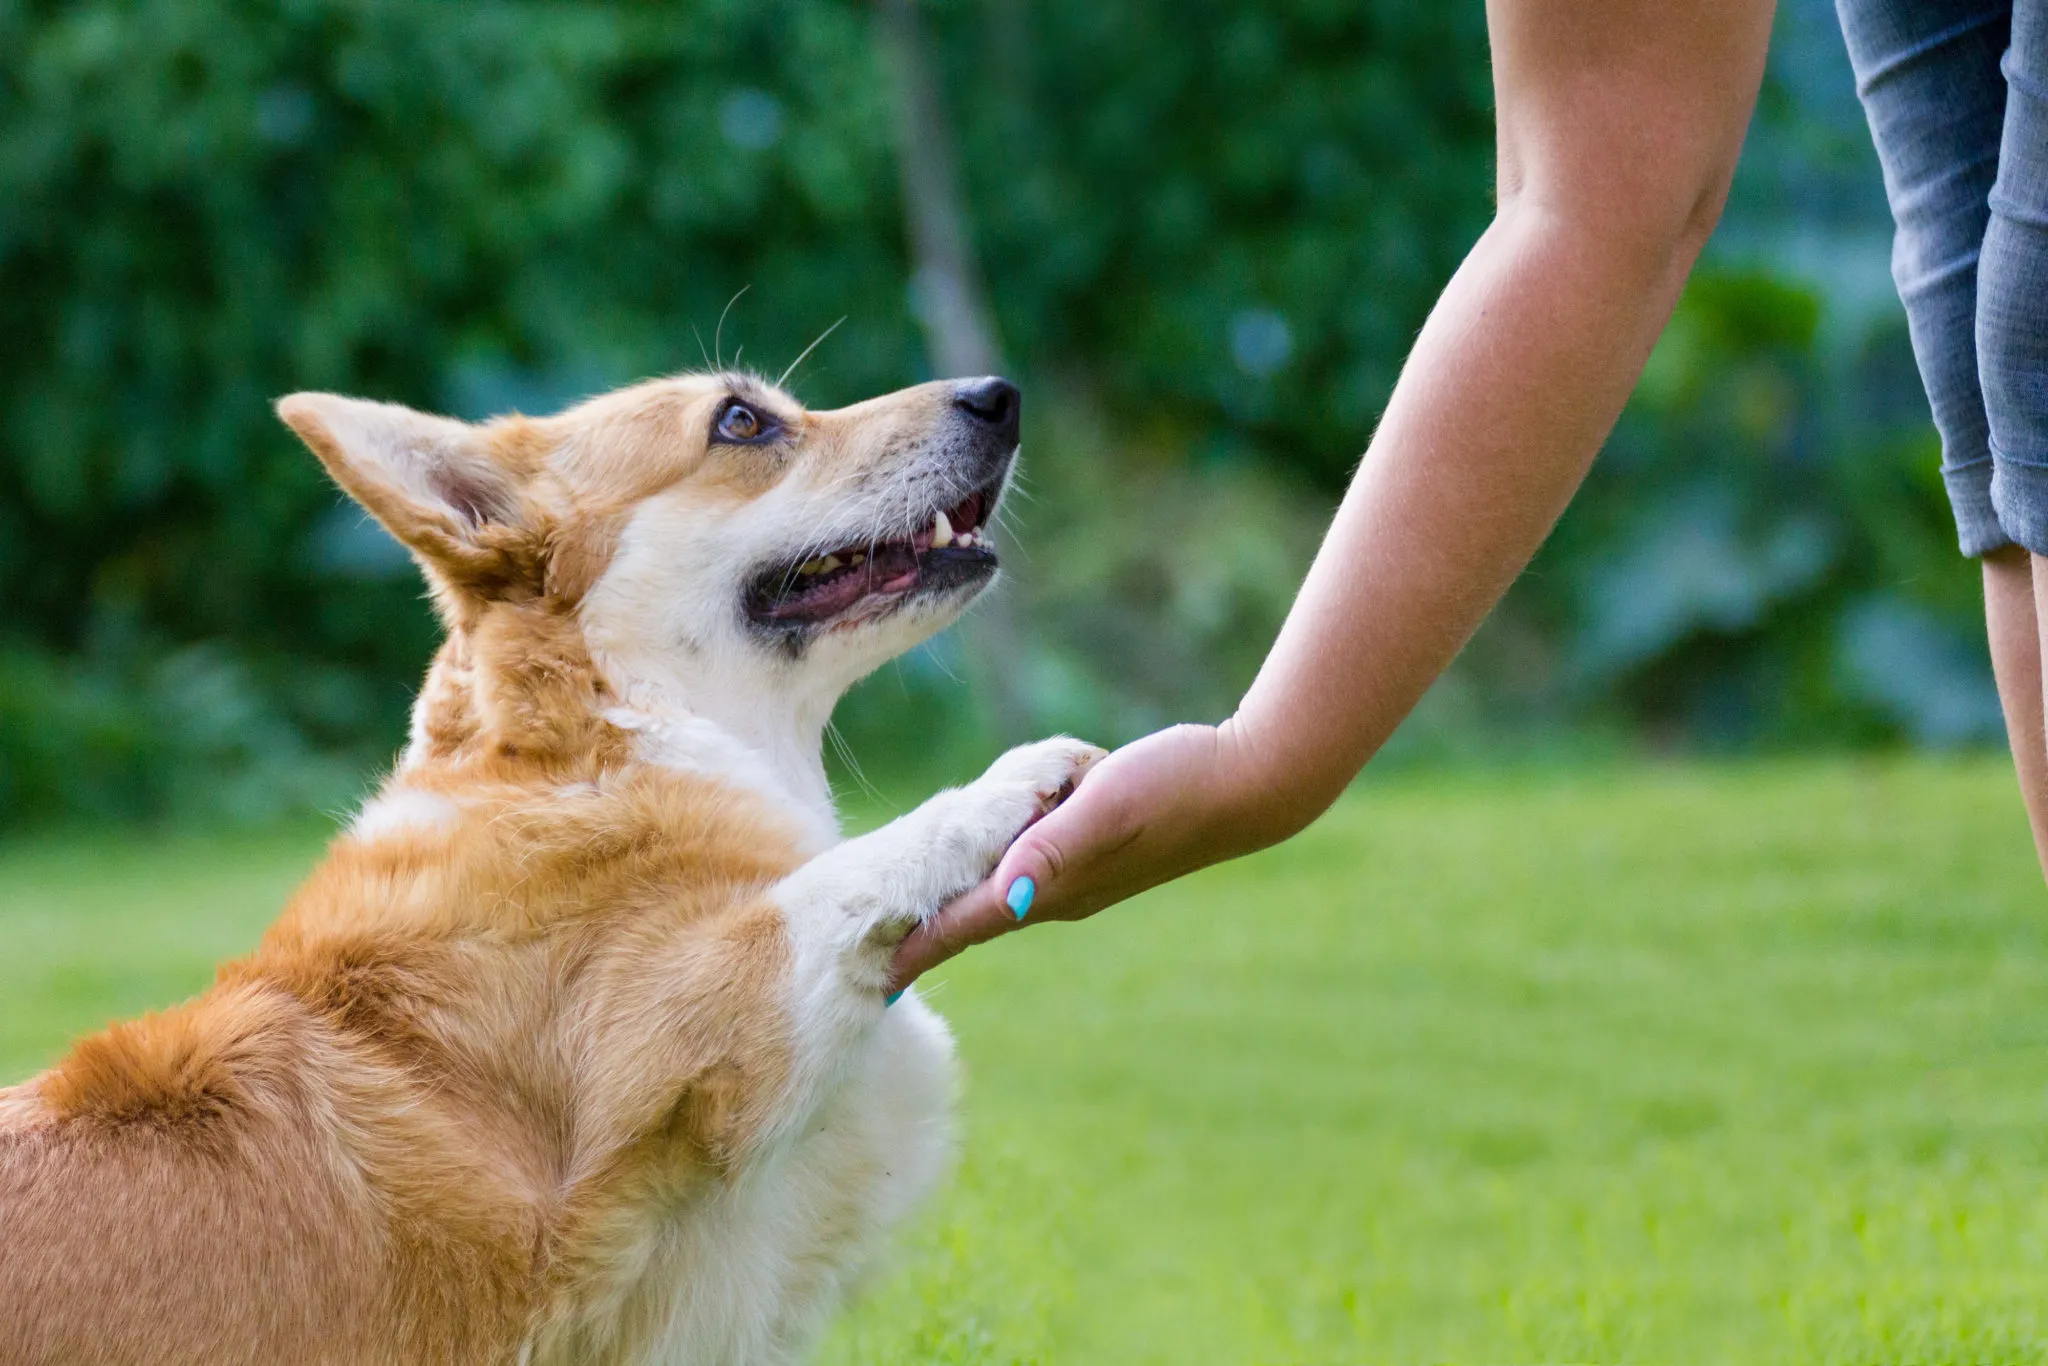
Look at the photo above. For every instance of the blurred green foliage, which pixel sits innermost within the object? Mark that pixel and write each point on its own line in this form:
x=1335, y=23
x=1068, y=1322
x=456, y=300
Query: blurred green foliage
x=1209, y=232
x=1766, y=555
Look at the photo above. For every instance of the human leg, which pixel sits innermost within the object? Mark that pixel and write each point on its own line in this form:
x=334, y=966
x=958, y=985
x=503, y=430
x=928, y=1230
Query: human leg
x=2012, y=290
x=1927, y=73
x=2012, y=362
x=2014, y=627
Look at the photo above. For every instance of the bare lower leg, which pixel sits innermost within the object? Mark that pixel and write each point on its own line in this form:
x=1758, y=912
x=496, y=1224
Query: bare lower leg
x=2014, y=582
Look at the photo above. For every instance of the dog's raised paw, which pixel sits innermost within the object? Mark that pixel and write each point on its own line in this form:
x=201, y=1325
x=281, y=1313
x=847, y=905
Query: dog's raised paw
x=1032, y=779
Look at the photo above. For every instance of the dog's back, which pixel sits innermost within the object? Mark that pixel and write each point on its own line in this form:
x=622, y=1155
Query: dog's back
x=369, y=1140
x=175, y=1193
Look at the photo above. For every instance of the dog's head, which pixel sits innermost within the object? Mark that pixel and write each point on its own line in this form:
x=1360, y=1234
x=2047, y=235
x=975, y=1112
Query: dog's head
x=705, y=532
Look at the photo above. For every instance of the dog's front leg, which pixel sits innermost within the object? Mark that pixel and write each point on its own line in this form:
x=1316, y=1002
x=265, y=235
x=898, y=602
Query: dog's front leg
x=846, y=910
x=849, y=907
x=863, y=1116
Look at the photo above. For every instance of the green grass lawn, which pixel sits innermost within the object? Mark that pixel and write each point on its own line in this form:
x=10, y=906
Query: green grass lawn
x=1736, y=1065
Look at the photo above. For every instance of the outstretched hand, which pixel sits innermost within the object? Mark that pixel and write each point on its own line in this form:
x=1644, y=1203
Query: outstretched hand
x=1160, y=807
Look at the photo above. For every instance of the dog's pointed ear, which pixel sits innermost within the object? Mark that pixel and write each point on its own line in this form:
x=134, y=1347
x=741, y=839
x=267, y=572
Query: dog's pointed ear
x=436, y=484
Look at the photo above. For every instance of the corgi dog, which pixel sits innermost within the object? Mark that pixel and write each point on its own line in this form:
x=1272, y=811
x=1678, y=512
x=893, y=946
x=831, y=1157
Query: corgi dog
x=575, y=1048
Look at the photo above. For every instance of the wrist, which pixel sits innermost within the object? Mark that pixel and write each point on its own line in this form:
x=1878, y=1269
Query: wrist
x=1265, y=799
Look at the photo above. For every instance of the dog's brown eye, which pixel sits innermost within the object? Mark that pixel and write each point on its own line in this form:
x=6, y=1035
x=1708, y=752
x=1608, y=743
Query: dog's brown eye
x=739, y=423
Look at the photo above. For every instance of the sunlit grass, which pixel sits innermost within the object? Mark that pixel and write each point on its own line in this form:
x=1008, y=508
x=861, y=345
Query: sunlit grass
x=1693, y=1065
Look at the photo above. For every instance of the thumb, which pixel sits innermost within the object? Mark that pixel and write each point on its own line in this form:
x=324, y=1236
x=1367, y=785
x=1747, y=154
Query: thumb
x=1002, y=902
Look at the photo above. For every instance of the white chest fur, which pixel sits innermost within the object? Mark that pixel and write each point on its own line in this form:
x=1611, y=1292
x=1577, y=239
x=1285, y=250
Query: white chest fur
x=749, y=1274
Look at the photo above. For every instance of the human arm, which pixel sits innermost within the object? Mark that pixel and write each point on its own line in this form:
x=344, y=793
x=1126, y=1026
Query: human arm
x=1619, y=124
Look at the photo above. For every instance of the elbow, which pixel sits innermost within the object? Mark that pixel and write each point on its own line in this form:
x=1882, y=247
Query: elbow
x=1687, y=237
x=1648, y=225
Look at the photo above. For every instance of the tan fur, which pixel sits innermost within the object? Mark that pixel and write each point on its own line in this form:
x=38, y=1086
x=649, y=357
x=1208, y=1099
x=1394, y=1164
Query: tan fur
x=423, y=1115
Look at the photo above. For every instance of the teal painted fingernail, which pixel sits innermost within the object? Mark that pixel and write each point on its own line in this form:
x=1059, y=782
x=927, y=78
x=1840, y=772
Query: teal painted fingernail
x=1019, y=899
x=892, y=998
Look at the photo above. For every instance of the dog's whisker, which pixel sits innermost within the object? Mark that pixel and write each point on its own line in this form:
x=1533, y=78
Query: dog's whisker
x=718, y=333
x=807, y=351
x=846, y=757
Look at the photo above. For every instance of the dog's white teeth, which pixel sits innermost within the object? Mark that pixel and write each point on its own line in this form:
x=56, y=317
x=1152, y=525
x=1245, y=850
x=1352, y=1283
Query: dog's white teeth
x=811, y=567
x=859, y=558
x=966, y=539
x=942, y=531
x=832, y=562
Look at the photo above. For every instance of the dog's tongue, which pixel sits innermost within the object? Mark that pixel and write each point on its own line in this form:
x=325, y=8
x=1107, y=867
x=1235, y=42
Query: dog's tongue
x=890, y=569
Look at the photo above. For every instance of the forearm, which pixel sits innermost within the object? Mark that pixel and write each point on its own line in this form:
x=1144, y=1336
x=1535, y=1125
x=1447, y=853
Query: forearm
x=1619, y=125
x=1512, y=387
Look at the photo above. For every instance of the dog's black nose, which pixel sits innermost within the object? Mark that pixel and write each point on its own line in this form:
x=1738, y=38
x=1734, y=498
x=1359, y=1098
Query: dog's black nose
x=991, y=401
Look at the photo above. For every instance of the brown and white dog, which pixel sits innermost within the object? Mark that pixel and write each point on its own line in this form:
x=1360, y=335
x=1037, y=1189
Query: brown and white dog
x=574, y=1049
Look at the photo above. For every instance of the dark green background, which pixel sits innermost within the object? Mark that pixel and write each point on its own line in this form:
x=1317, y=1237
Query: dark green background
x=1209, y=232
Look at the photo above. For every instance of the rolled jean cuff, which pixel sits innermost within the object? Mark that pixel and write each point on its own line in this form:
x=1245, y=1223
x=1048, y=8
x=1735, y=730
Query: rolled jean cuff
x=2019, y=497
x=1969, y=492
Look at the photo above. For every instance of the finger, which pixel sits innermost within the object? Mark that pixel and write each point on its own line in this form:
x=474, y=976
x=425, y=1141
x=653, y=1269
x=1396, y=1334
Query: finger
x=1054, y=862
x=972, y=918
x=1025, y=883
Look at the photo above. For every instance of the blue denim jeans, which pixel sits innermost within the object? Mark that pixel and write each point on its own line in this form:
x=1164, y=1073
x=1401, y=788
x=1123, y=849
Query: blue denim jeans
x=1957, y=96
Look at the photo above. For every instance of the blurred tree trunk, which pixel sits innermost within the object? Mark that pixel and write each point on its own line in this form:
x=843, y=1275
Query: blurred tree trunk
x=959, y=331
x=951, y=304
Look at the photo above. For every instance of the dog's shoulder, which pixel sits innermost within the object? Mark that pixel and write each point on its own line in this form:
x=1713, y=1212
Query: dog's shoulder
x=510, y=855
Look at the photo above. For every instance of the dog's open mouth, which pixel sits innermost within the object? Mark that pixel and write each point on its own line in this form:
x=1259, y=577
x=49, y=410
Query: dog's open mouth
x=951, y=550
